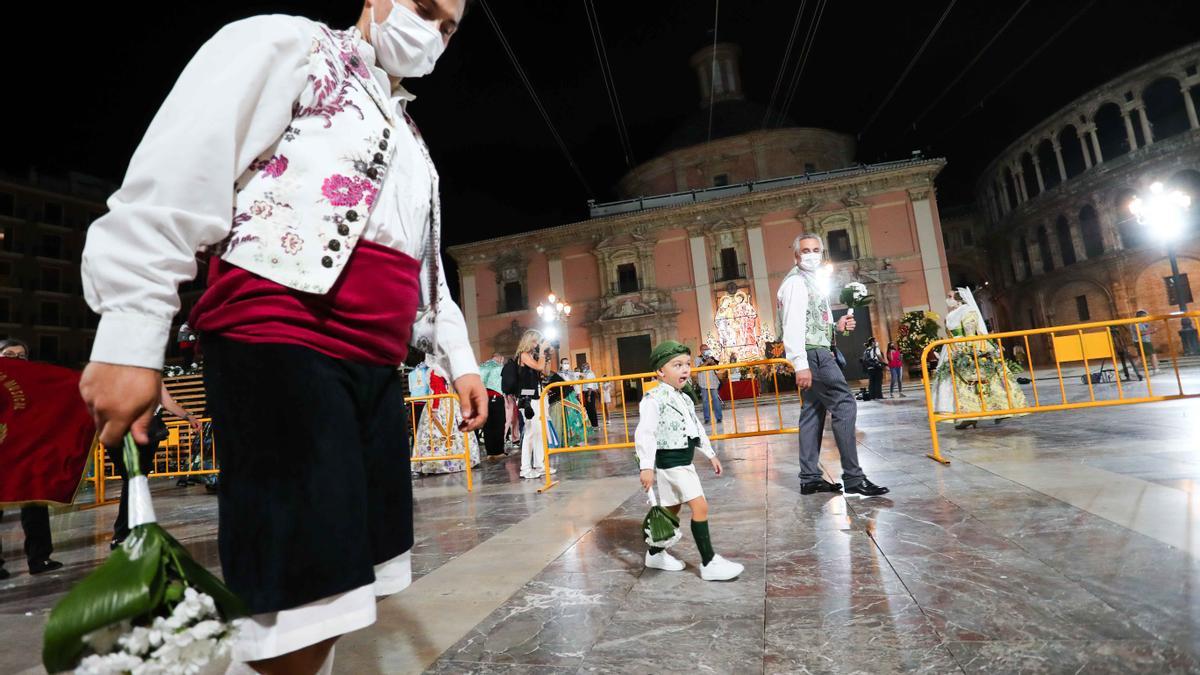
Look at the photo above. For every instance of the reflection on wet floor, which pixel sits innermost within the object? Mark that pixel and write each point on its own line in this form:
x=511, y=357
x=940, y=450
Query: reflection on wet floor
x=1053, y=543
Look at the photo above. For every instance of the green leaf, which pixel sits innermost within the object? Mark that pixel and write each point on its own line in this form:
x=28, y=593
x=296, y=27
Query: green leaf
x=128, y=585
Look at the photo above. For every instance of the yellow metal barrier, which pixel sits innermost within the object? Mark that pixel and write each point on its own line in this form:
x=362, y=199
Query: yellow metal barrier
x=174, y=458
x=446, y=433
x=1074, y=344
x=774, y=367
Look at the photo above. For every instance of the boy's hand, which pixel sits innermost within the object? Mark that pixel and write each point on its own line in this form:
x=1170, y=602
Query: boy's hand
x=647, y=479
x=717, y=466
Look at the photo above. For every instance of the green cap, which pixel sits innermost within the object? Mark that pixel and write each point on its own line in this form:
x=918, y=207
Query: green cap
x=665, y=351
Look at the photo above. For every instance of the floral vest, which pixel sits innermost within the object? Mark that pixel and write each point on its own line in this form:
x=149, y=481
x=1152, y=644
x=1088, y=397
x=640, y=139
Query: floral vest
x=671, y=433
x=303, y=204
x=818, y=321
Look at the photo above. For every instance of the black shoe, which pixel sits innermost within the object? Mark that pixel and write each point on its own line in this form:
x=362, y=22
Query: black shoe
x=46, y=565
x=820, y=486
x=4, y=574
x=116, y=543
x=866, y=489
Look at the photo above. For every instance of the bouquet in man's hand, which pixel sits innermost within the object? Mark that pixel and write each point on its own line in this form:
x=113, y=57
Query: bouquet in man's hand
x=149, y=608
x=855, y=295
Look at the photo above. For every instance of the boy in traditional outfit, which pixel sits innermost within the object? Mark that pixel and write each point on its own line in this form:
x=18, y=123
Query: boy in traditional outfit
x=666, y=439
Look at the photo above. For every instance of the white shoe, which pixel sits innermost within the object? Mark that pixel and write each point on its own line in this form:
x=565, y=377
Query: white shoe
x=552, y=471
x=530, y=474
x=664, y=561
x=720, y=569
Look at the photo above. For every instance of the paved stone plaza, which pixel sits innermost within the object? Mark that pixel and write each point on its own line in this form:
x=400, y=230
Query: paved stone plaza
x=1062, y=542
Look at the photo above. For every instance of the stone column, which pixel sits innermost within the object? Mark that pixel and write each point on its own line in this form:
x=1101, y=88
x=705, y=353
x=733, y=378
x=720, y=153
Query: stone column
x=1002, y=196
x=1019, y=178
x=762, y=283
x=700, y=278
x=1083, y=146
x=1056, y=255
x=1193, y=122
x=1129, y=130
x=1095, y=143
x=1062, y=167
x=928, y=237
x=470, y=309
x=1146, y=130
x=1037, y=170
x=558, y=287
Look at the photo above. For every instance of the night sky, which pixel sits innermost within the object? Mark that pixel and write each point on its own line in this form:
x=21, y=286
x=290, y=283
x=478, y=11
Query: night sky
x=85, y=82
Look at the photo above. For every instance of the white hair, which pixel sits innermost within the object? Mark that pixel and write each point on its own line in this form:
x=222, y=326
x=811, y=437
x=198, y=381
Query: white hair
x=802, y=237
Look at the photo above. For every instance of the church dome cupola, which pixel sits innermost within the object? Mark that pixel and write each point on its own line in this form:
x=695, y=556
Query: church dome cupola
x=719, y=71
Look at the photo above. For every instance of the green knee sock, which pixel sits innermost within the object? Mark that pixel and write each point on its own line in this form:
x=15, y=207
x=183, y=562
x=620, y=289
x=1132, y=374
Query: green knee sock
x=700, y=533
x=655, y=551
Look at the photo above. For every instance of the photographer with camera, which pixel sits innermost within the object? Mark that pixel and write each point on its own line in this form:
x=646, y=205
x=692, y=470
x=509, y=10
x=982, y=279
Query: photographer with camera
x=532, y=356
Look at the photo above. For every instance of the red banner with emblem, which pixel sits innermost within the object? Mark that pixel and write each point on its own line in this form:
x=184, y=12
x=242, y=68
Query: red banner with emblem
x=45, y=432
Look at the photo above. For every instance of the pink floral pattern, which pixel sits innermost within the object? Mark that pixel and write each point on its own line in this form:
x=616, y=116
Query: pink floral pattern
x=353, y=63
x=331, y=89
x=346, y=191
x=273, y=167
x=292, y=243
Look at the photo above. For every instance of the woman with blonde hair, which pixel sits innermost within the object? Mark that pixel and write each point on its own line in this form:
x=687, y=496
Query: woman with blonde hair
x=532, y=357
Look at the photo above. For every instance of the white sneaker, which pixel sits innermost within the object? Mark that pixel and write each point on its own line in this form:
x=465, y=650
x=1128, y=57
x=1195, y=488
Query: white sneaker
x=720, y=569
x=530, y=474
x=664, y=561
x=552, y=471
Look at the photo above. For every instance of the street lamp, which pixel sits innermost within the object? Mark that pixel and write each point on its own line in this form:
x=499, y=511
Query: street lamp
x=551, y=311
x=1164, y=213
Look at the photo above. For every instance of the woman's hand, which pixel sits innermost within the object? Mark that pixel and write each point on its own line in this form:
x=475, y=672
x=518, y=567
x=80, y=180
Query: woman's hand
x=647, y=477
x=716, y=464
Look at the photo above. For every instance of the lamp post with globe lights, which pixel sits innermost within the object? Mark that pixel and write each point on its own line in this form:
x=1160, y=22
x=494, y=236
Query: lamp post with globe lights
x=552, y=311
x=1164, y=213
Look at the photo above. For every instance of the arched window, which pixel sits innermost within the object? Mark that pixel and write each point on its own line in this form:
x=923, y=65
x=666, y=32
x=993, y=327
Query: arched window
x=1045, y=155
x=1010, y=190
x=1072, y=151
x=1127, y=225
x=1025, y=258
x=1110, y=129
x=1065, y=244
x=1165, y=108
x=1089, y=224
x=1044, y=249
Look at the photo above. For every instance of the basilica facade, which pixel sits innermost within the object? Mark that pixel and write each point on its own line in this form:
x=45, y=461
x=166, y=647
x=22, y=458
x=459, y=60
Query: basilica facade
x=698, y=247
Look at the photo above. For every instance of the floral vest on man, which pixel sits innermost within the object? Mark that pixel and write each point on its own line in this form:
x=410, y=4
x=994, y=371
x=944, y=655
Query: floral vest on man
x=302, y=205
x=818, y=321
x=673, y=413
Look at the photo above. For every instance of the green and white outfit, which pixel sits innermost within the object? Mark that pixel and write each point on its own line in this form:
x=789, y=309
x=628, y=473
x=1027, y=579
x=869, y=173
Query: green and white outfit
x=666, y=438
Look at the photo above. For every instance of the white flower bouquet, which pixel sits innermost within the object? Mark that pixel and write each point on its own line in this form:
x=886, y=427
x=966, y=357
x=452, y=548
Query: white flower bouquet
x=149, y=609
x=855, y=295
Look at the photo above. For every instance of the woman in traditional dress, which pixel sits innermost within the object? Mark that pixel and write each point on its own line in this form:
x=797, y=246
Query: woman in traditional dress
x=567, y=414
x=981, y=381
x=438, y=433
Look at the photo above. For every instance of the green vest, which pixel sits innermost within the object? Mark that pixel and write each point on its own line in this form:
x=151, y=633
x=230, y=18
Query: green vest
x=673, y=407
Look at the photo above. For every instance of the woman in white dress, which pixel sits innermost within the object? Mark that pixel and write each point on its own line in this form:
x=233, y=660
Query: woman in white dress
x=989, y=387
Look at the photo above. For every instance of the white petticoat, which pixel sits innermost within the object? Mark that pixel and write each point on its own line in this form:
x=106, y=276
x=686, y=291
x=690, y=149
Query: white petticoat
x=272, y=634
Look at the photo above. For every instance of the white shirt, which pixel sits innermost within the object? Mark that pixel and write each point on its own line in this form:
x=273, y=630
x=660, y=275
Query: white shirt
x=645, y=441
x=232, y=102
x=589, y=375
x=793, y=312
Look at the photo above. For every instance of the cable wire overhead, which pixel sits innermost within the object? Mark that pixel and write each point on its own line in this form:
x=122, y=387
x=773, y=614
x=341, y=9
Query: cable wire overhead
x=809, y=40
x=537, y=101
x=712, y=80
x=610, y=85
x=783, y=64
x=907, y=69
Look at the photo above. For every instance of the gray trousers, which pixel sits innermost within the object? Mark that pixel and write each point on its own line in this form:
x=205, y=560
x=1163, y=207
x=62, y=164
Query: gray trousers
x=829, y=393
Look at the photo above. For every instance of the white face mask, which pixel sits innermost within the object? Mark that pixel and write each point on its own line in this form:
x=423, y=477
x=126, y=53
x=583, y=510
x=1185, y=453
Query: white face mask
x=405, y=44
x=952, y=303
x=809, y=262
